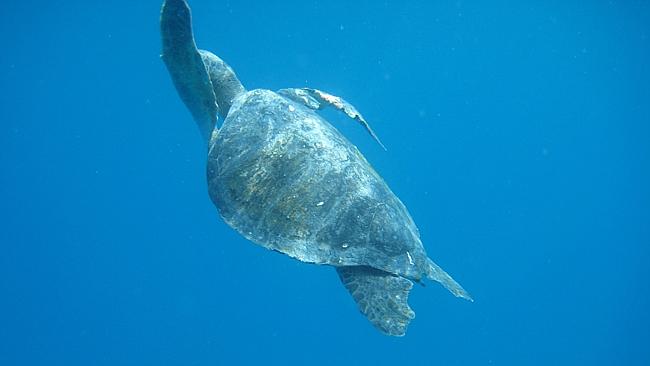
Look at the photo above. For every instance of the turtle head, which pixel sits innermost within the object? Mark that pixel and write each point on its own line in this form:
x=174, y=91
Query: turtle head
x=225, y=84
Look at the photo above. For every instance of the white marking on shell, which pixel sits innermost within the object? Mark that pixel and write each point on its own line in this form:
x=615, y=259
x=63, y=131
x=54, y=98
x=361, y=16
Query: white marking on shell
x=291, y=108
x=320, y=203
x=410, y=258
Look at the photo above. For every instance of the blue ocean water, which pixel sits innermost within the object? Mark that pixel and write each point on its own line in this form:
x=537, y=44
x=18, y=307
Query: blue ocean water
x=518, y=137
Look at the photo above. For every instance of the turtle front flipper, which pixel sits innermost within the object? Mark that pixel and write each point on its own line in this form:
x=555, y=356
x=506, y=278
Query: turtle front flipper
x=381, y=297
x=185, y=65
x=317, y=99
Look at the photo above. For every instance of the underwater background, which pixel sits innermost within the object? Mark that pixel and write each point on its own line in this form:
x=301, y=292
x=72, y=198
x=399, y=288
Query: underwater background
x=518, y=137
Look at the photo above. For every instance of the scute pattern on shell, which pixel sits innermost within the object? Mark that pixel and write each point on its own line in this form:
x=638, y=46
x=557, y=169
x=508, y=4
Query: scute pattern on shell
x=286, y=179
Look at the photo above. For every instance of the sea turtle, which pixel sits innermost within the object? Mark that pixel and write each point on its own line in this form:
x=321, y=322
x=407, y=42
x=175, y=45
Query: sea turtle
x=286, y=179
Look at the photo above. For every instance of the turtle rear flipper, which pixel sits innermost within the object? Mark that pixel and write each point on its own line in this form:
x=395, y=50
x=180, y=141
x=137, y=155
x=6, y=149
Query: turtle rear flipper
x=439, y=275
x=185, y=65
x=381, y=296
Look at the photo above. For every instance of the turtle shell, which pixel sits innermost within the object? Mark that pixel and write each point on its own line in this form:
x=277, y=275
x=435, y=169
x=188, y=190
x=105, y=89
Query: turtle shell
x=287, y=180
